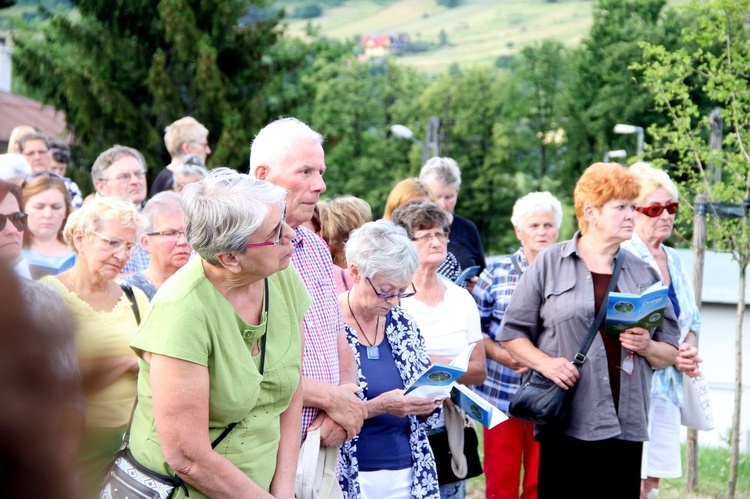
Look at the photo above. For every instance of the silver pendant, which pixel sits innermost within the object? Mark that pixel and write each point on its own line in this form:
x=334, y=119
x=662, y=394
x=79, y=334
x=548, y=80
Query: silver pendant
x=373, y=353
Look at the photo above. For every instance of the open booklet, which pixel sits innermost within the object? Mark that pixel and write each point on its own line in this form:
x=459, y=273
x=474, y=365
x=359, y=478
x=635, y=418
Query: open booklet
x=476, y=407
x=437, y=381
x=625, y=310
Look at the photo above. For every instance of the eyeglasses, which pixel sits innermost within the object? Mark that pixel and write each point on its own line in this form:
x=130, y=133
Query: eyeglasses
x=116, y=245
x=18, y=219
x=278, y=235
x=440, y=236
x=655, y=210
x=168, y=234
x=628, y=363
x=388, y=296
x=124, y=178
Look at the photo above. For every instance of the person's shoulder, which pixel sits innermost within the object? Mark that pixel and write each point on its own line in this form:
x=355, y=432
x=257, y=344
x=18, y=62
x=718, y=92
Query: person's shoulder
x=466, y=222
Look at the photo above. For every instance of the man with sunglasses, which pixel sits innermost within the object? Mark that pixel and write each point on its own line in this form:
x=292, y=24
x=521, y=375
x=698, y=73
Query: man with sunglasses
x=290, y=154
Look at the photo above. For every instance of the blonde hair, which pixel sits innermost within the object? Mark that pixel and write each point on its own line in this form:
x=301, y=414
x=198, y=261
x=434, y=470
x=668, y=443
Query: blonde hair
x=599, y=183
x=651, y=179
x=39, y=184
x=89, y=217
x=338, y=217
x=406, y=190
x=15, y=135
x=183, y=131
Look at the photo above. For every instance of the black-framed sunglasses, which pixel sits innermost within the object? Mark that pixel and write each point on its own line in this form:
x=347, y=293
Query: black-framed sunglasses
x=18, y=219
x=655, y=210
x=388, y=296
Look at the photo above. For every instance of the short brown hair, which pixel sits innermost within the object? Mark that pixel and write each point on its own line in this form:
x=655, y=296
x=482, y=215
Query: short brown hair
x=601, y=182
x=421, y=215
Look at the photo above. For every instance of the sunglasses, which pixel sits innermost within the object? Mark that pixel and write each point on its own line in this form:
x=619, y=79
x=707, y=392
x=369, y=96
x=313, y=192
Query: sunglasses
x=18, y=219
x=655, y=210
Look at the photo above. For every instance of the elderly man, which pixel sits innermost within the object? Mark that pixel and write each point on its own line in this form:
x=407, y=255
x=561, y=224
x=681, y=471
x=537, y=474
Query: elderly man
x=184, y=136
x=120, y=171
x=290, y=154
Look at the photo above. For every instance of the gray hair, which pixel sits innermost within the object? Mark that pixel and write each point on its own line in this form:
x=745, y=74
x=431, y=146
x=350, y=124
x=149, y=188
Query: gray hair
x=191, y=165
x=164, y=202
x=382, y=248
x=535, y=203
x=225, y=209
x=114, y=153
x=13, y=166
x=651, y=179
x=443, y=170
x=90, y=217
x=276, y=140
x=420, y=215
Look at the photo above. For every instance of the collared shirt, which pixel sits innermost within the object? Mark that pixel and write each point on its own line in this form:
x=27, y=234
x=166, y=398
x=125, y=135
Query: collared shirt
x=553, y=307
x=492, y=293
x=667, y=382
x=323, y=320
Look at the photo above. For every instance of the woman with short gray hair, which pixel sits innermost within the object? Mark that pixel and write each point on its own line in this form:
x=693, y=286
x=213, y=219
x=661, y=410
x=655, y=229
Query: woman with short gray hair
x=234, y=314
x=392, y=455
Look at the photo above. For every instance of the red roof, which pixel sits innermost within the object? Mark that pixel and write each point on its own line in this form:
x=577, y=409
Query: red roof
x=17, y=110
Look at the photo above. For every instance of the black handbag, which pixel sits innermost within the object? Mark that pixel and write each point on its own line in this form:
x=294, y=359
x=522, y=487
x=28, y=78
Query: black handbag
x=539, y=400
x=443, y=456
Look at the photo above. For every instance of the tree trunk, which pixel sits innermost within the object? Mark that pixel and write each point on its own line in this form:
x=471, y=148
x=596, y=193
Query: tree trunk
x=735, y=443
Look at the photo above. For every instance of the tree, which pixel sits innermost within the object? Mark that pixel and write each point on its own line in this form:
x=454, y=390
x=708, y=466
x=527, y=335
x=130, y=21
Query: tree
x=124, y=69
x=717, y=64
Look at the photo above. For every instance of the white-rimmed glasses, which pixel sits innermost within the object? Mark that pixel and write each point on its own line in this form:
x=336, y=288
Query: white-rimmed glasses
x=440, y=236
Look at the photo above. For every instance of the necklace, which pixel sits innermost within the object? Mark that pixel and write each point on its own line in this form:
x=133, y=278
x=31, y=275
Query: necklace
x=373, y=352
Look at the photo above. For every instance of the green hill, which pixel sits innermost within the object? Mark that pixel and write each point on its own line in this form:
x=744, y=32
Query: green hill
x=477, y=31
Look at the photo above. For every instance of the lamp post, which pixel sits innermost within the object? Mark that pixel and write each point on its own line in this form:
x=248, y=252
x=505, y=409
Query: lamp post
x=618, y=153
x=431, y=146
x=629, y=130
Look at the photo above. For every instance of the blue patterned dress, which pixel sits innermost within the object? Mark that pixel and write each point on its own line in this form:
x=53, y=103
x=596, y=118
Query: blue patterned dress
x=411, y=359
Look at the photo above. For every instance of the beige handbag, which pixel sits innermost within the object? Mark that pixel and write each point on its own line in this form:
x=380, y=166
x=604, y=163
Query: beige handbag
x=316, y=470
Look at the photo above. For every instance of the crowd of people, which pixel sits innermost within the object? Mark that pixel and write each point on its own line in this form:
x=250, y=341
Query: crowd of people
x=251, y=339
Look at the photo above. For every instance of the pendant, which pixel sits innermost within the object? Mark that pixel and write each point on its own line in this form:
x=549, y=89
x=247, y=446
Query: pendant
x=373, y=353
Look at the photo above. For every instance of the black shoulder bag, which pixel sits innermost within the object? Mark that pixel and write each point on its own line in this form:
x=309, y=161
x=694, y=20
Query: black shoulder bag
x=539, y=400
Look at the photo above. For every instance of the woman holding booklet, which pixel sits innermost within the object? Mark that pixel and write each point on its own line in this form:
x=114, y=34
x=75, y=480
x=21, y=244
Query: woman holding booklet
x=391, y=456
x=656, y=211
x=445, y=313
x=597, y=452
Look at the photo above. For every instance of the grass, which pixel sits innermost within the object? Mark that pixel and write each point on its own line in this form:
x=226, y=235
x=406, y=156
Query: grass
x=713, y=473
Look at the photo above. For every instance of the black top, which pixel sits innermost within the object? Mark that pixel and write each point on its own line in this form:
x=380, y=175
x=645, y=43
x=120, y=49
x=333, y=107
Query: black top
x=163, y=182
x=466, y=244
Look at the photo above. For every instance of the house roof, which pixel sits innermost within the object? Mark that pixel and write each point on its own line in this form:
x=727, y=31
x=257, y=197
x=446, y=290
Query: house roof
x=18, y=110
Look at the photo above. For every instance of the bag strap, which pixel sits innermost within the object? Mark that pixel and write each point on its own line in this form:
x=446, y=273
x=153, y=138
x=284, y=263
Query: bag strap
x=580, y=357
x=514, y=261
x=131, y=296
x=266, y=297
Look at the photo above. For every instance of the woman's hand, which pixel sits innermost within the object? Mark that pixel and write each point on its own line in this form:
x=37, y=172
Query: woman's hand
x=637, y=340
x=396, y=403
x=560, y=370
x=687, y=360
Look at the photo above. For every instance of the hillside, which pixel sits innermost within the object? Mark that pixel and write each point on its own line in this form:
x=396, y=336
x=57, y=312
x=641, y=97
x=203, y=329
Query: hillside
x=478, y=31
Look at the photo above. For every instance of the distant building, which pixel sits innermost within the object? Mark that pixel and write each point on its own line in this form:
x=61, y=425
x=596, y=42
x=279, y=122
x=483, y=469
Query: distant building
x=379, y=46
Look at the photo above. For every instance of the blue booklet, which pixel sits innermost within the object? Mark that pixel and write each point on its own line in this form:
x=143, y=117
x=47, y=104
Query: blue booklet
x=477, y=407
x=625, y=310
x=437, y=381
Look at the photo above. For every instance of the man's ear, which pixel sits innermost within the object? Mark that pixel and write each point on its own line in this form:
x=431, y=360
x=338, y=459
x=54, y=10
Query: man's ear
x=98, y=186
x=261, y=172
x=185, y=147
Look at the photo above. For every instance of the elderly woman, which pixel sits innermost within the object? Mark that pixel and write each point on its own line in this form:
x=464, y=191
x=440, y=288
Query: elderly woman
x=222, y=345
x=338, y=218
x=654, y=220
x=165, y=242
x=103, y=235
x=393, y=456
x=48, y=205
x=192, y=169
x=510, y=446
x=549, y=316
x=443, y=177
x=446, y=314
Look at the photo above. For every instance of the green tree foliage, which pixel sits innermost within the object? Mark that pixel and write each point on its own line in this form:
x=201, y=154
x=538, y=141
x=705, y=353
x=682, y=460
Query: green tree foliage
x=714, y=61
x=124, y=69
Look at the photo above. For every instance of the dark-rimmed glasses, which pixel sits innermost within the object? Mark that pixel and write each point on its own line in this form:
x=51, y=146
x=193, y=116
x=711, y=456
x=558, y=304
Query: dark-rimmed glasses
x=116, y=245
x=388, y=296
x=655, y=210
x=278, y=235
x=168, y=234
x=18, y=219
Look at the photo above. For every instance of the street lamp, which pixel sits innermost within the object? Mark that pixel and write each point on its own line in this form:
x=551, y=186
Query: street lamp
x=618, y=153
x=429, y=146
x=629, y=130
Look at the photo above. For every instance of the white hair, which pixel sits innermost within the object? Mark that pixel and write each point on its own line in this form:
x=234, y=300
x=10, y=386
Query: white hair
x=162, y=203
x=651, y=179
x=443, y=170
x=13, y=166
x=382, y=248
x=535, y=203
x=225, y=209
x=276, y=140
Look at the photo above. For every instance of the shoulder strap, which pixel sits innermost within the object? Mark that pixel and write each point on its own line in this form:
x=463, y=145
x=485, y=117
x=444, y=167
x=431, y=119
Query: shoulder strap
x=133, y=303
x=580, y=357
x=265, y=333
x=514, y=261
